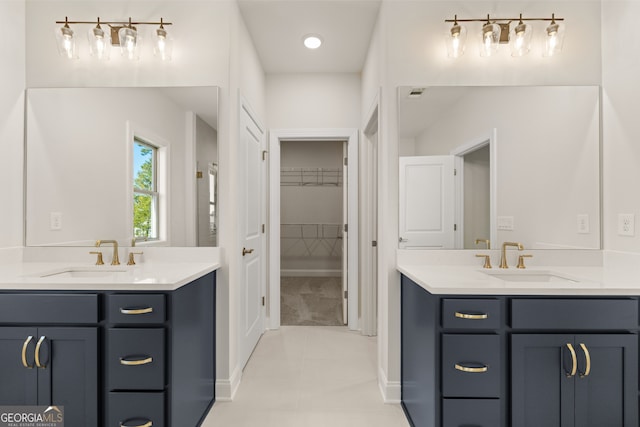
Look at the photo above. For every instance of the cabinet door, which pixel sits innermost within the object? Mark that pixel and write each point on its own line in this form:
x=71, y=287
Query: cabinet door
x=70, y=376
x=542, y=394
x=18, y=384
x=606, y=388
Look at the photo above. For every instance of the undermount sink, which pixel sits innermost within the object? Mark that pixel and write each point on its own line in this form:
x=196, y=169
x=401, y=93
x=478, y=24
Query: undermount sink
x=85, y=273
x=529, y=276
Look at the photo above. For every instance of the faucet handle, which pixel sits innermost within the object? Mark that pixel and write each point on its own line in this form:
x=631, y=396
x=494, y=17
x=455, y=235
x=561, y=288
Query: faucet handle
x=487, y=260
x=521, y=260
x=485, y=241
x=132, y=260
x=99, y=261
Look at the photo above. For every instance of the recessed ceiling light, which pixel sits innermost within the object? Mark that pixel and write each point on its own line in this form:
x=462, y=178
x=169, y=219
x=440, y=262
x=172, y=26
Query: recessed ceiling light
x=312, y=41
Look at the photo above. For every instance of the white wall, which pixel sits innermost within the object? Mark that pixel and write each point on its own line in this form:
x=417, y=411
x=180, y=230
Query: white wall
x=311, y=100
x=621, y=127
x=316, y=246
x=12, y=85
x=413, y=53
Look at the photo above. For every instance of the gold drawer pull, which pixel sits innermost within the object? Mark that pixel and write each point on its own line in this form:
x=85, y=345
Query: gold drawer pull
x=38, y=345
x=471, y=316
x=136, y=362
x=574, y=361
x=471, y=369
x=587, y=356
x=146, y=310
x=24, y=353
x=147, y=424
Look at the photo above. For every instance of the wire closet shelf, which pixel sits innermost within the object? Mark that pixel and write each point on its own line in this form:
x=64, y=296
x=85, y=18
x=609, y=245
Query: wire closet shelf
x=311, y=177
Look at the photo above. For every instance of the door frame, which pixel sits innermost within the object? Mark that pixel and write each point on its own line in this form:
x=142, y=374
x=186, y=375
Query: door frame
x=369, y=195
x=459, y=152
x=275, y=138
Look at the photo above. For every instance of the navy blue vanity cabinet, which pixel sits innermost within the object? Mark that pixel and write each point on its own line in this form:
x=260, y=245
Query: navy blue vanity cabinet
x=488, y=361
x=160, y=356
x=50, y=354
x=585, y=378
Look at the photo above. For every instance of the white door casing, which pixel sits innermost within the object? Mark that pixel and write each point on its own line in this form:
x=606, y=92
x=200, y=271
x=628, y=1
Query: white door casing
x=275, y=138
x=251, y=312
x=427, y=202
x=345, y=234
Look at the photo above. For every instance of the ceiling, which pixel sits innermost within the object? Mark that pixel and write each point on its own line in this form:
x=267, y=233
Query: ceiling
x=277, y=27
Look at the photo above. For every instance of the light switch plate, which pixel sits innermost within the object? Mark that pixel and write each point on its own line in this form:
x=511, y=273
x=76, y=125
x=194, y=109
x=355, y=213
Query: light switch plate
x=505, y=223
x=55, y=221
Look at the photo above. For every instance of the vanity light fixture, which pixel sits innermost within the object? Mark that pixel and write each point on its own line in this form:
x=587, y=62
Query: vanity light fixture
x=496, y=31
x=121, y=33
x=312, y=41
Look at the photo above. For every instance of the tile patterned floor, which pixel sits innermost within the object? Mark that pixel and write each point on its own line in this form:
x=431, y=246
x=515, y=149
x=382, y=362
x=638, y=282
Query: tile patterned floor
x=309, y=376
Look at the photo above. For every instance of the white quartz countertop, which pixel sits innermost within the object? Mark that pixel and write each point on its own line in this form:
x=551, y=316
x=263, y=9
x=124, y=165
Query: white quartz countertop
x=156, y=273
x=570, y=280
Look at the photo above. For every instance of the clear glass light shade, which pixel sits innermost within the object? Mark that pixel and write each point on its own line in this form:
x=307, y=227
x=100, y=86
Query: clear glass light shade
x=554, y=38
x=99, y=43
x=66, y=42
x=490, y=39
x=455, y=40
x=129, y=43
x=520, y=39
x=163, y=45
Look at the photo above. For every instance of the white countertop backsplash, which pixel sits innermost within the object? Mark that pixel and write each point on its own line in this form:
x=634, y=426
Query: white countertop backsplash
x=460, y=272
x=159, y=268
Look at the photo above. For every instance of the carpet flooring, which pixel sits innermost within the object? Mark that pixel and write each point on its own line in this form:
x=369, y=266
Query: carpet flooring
x=311, y=301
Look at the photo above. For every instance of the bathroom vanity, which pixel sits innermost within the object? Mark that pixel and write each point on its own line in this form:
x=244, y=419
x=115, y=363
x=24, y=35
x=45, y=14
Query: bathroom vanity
x=526, y=349
x=115, y=346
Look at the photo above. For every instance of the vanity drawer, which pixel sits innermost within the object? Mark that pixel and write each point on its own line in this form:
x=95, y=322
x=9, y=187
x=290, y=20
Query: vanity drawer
x=471, y=412
x=49, y=308
x=471, y=365
x=135, y=359
x=471, y=314
x=574, y=314
x=136, y=308
x=135, y=409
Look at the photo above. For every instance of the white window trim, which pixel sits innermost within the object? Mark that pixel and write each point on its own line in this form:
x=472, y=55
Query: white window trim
x=134, y=131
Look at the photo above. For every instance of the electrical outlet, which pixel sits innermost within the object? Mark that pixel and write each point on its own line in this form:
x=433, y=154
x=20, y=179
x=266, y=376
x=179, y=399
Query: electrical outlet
x=55, y=221
x=583, y=224
x=626, y=224
x=505, y=223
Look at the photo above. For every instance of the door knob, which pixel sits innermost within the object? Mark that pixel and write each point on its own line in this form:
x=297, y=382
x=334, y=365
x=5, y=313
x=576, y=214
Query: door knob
x=246, y=251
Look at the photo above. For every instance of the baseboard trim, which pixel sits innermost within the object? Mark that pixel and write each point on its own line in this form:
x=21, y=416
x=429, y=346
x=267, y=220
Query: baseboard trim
x=226, y=388
x=390, y=390
x=310, y=273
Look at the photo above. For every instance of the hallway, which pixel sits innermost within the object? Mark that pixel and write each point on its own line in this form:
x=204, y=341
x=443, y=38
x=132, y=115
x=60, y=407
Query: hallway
x=309, y=376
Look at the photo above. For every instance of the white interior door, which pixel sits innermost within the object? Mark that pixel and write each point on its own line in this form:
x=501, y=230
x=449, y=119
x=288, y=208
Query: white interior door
x=345, y=236
x=251, y=311
x=427, y=202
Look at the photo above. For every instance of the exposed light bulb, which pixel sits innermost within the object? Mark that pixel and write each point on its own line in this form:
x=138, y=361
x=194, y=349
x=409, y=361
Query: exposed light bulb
x=521, y=39
x=455, y=40
x=163, y=44
x=129, y=42
x=66, y=41
x=99, y=43
x=554, y=38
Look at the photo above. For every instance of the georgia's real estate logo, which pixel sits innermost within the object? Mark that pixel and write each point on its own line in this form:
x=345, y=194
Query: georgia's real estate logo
x=31, y=416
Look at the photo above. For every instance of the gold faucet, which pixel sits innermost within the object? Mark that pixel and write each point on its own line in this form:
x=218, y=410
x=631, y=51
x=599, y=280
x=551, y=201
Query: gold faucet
x=115, y=260
x=503, y=257
x=485, y=241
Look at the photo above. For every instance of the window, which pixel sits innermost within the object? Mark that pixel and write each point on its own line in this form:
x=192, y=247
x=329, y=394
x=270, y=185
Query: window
x=145, y=191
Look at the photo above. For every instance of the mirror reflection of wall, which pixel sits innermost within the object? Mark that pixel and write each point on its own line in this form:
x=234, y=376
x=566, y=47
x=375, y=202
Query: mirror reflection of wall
x=547, y=144
x=80, y=167
x=207, y=177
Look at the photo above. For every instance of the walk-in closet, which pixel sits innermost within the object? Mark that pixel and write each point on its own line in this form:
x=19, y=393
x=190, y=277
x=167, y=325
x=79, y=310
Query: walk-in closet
x=312, y=201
